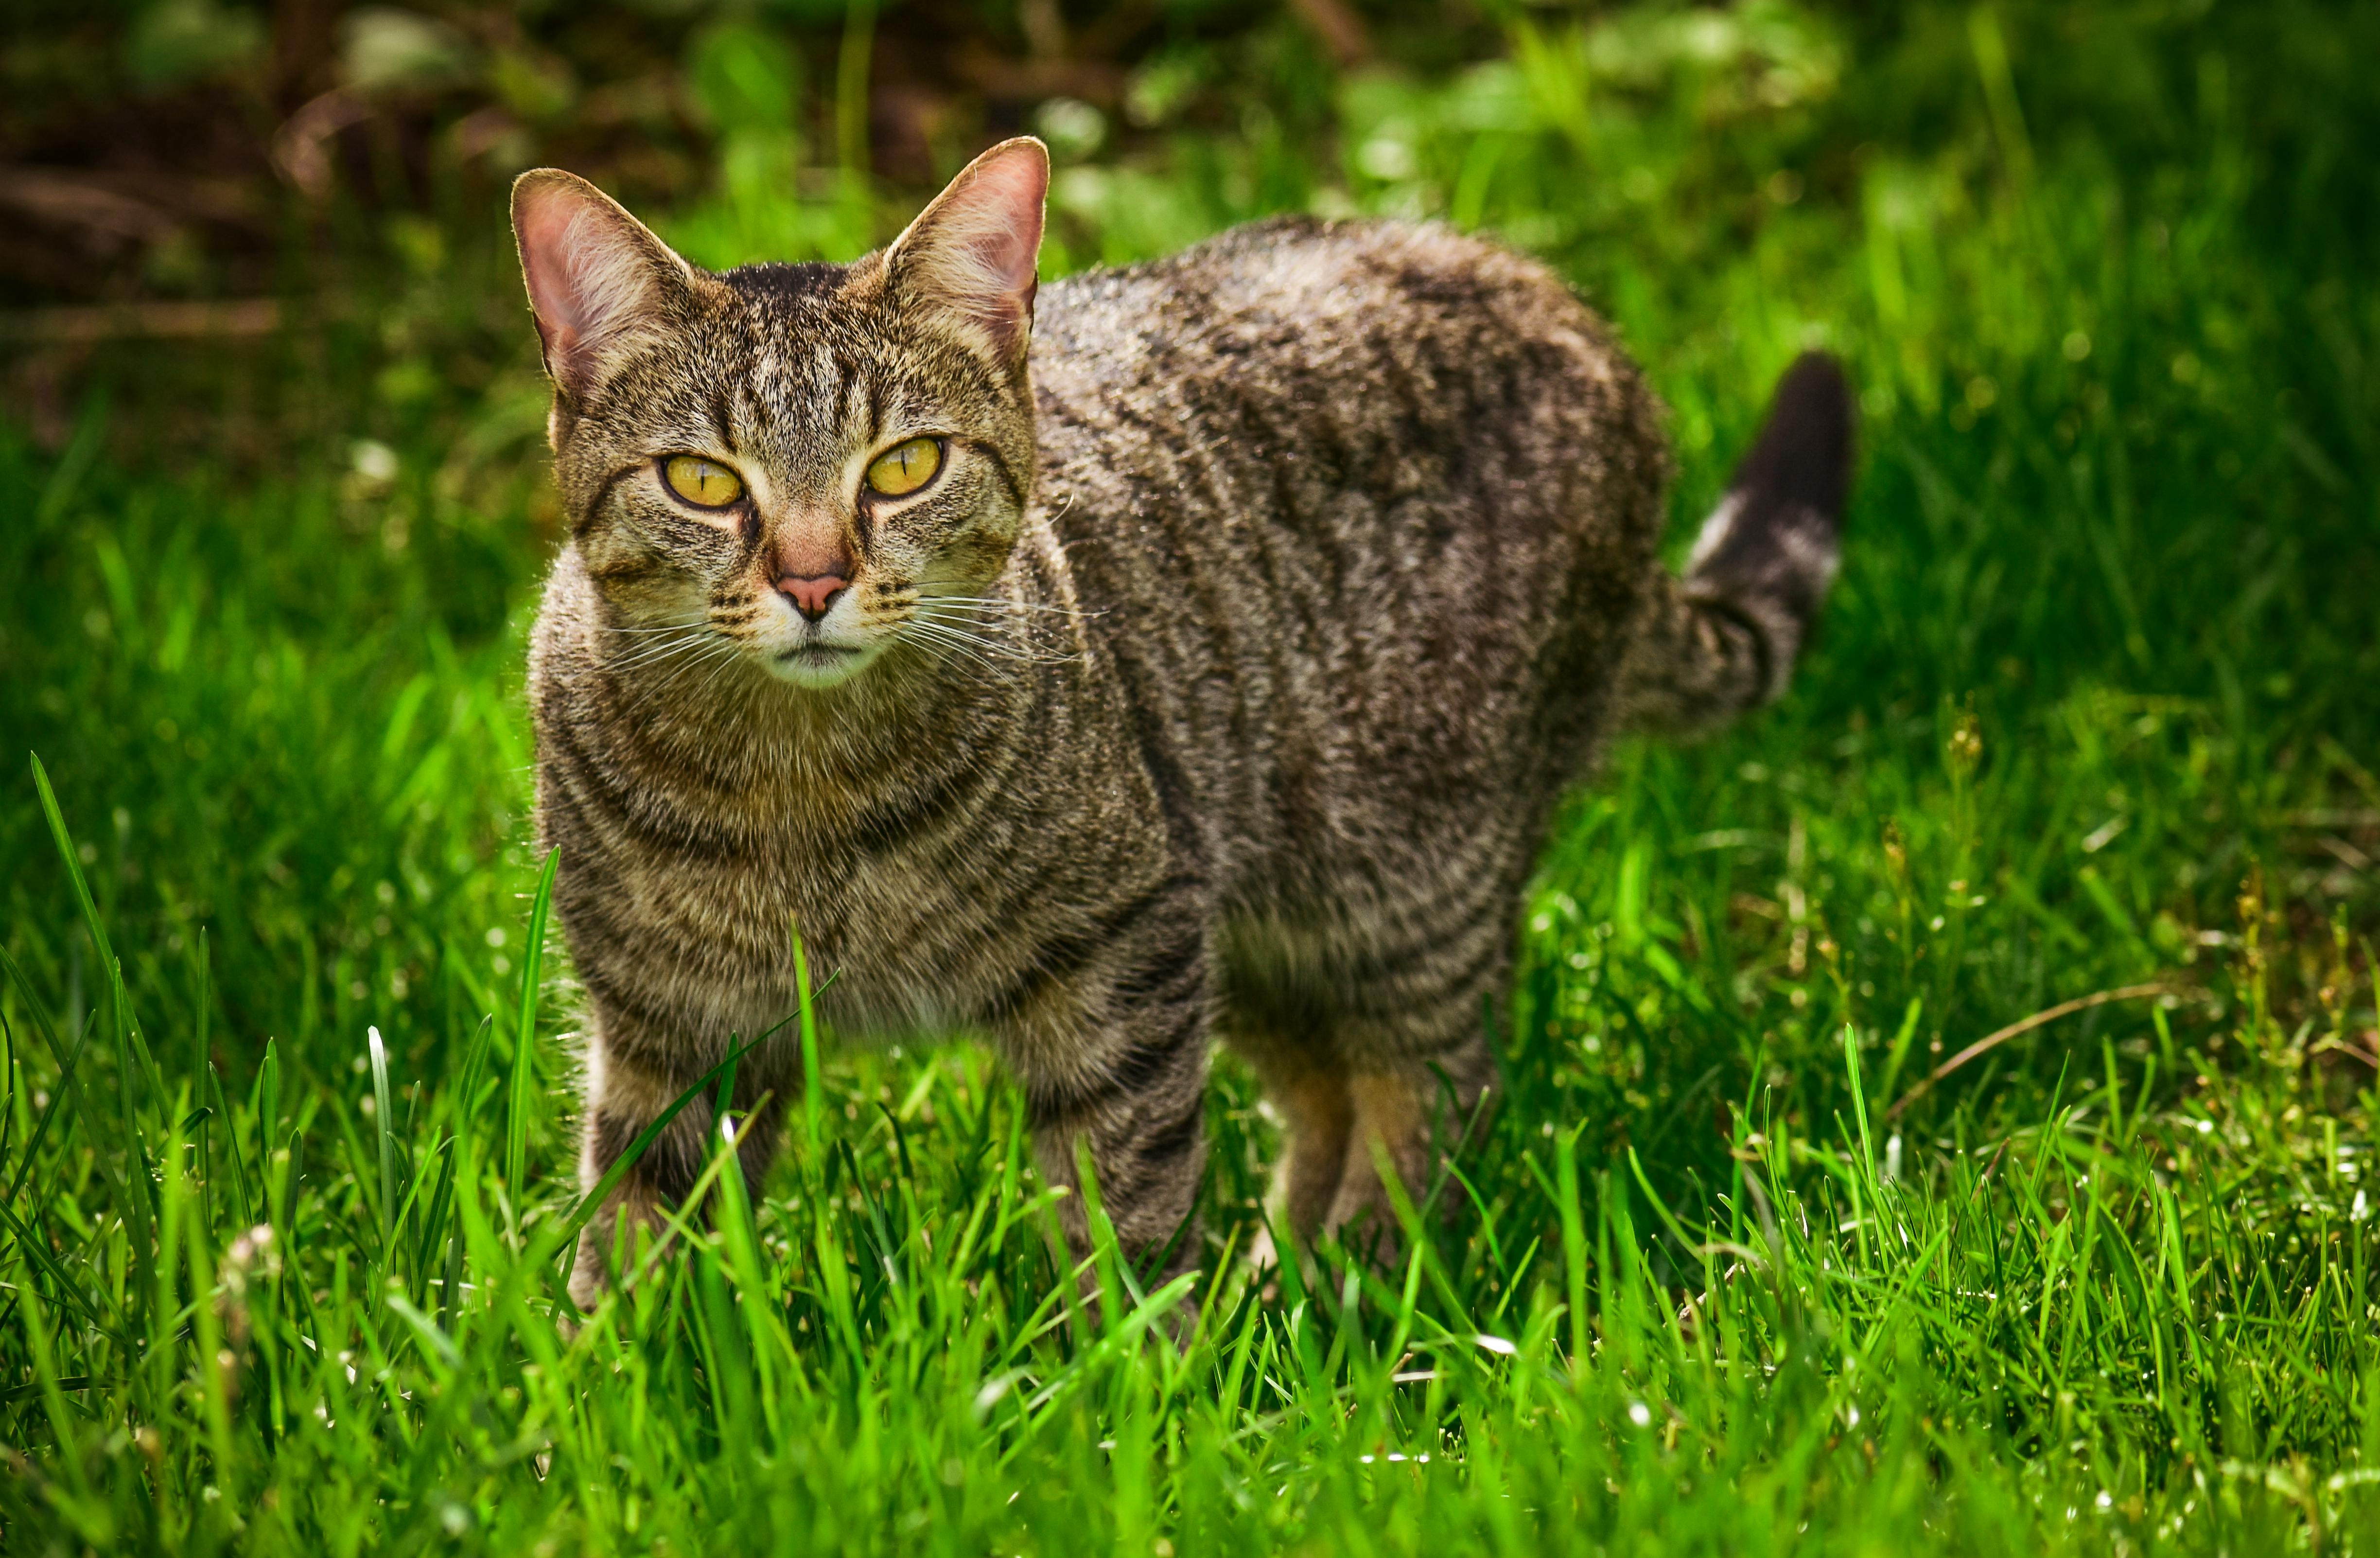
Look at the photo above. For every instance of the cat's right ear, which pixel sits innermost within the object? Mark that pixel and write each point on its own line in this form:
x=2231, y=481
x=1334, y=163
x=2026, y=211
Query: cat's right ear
x=969, y=257
x=599, y=282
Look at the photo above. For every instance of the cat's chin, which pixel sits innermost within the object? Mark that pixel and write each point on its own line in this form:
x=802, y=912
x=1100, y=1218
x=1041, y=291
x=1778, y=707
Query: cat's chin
x=819, y=666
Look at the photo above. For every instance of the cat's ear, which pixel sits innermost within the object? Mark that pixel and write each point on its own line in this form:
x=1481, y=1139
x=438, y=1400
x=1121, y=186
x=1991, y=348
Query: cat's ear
x=969, y=257
x=599, y=282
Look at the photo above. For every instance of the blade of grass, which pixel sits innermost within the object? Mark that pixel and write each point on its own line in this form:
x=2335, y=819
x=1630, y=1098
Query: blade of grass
x=384, y=1116
x=517, y=1121
x=807, y=1015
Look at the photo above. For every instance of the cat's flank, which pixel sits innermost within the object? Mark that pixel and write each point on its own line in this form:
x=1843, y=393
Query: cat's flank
x=1190, y=653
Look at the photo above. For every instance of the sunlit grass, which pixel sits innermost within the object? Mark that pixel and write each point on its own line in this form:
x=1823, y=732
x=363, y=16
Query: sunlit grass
x=1737, y=1265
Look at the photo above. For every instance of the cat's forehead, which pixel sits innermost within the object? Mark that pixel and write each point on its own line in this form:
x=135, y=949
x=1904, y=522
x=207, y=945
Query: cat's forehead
x=786, y=284
x=794, y=322
x=809, y=356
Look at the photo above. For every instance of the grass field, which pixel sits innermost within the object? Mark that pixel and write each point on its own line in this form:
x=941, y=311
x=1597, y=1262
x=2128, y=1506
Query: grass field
x=1760, y=1254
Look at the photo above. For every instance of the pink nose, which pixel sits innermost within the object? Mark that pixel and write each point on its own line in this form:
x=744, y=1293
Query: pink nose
x=813, y=597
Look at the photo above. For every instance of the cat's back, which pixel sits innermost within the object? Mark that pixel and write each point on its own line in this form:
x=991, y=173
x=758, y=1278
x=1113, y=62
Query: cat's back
x=1364, y=511
x=1291, y=366
x=1335, y=293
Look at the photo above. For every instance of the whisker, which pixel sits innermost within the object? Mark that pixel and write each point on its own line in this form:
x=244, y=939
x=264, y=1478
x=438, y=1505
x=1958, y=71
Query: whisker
x=937, y=610
x=960, y=633
x=678, y=623
x=725, y=662
x=644, y=656
x=953, y=644
x=978, y=628
x=1005, y=607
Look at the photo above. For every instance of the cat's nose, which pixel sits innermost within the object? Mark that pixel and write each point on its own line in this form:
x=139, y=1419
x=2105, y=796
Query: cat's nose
x=813, y=597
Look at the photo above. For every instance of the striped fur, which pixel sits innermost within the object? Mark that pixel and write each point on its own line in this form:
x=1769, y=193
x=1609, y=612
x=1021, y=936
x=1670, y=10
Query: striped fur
x=1220, y=687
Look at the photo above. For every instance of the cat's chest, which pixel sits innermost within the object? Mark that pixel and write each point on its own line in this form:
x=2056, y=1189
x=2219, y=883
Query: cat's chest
x=925, y=884
x=899, y=936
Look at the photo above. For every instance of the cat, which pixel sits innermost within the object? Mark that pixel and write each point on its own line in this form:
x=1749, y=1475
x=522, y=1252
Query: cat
x=1188, y=652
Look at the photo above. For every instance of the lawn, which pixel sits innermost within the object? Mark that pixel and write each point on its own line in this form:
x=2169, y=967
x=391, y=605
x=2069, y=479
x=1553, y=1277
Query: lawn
x=1938, y=1111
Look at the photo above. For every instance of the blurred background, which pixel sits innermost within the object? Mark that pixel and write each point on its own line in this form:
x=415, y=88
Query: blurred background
x=270, y=178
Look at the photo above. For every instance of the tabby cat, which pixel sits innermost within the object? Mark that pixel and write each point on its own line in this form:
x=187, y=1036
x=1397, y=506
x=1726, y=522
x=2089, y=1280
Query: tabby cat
x=1185, y=653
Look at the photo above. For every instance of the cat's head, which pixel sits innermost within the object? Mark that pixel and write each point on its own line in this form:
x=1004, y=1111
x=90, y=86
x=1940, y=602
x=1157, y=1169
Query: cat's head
x=793, y=463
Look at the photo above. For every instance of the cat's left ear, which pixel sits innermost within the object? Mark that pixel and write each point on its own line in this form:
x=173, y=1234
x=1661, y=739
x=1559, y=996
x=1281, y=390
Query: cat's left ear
x=969, y=257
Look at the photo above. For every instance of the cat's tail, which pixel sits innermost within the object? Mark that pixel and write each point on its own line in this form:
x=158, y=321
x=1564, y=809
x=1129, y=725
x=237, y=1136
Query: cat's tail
x=1723, y=639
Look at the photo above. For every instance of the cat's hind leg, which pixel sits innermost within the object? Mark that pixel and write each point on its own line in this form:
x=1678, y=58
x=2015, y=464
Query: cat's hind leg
x=1277, y=1017
x=1407, y=1118
x=1418, y=1073
x=1306, y=1089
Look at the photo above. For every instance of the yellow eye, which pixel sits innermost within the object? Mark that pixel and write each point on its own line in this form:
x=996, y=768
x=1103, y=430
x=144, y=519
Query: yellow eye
x=897, y=472
x=705, y=483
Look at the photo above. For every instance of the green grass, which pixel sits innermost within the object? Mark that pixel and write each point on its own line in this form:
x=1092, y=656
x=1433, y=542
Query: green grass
x=2093, y=710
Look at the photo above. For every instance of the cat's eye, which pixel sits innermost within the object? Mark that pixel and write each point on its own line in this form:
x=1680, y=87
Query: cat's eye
x=902, y=470
x=704, y=483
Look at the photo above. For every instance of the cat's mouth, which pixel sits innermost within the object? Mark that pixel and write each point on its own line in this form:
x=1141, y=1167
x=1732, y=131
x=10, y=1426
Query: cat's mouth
x=816, y=647
x=819, y=665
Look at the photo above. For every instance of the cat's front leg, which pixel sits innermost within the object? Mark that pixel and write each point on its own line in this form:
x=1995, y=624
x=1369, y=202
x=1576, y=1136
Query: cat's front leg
x=1114, y=1067
x=632, y=1078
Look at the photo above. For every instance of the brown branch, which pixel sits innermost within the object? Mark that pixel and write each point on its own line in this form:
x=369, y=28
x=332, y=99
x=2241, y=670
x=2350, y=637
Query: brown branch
x=2342, y=1047
x=106, y=321
x=1340, y=29
x=2024, y=1024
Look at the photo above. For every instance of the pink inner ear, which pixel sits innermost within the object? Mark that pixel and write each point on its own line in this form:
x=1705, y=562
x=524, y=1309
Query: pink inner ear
x=595, y=277
x=976, y=248
x=1014, y=188
x=548, y=262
